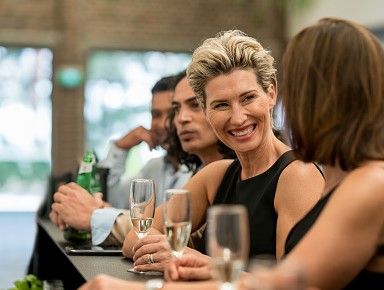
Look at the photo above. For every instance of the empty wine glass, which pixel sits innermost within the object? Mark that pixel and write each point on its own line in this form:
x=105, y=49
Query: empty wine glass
x=177, y=219
x=142, y=199
x=228, y=243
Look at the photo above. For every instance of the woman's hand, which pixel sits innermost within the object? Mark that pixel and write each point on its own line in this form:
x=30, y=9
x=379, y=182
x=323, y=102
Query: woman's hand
x=151, y=253
x=288, y=274
x=191, y=266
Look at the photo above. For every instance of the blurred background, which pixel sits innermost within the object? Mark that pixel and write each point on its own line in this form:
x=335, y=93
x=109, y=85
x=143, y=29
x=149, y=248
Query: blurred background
x=77, y=74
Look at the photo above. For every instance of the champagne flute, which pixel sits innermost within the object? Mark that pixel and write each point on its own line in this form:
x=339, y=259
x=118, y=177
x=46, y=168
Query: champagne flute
x=142, y=198
x=177, y=219
x=228, y=243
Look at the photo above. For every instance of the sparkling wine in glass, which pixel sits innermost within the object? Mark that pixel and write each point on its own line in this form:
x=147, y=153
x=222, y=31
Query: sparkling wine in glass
x=177, y=219
x=228, y=243
x=142, y=199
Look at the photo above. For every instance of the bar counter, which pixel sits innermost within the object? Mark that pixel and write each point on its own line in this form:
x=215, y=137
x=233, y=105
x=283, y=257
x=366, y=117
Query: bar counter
x=54, y=263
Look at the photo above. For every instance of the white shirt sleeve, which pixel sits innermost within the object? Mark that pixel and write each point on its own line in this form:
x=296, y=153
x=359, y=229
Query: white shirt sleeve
x=102, y=221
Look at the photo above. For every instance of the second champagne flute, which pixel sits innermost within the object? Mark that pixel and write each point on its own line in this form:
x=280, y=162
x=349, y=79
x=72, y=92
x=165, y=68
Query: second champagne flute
x=143, y=199
x=228, y=243
x=177, y=219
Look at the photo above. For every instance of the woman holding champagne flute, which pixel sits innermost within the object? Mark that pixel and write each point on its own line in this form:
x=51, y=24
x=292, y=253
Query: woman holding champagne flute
x=142, y=197
x=234, y=80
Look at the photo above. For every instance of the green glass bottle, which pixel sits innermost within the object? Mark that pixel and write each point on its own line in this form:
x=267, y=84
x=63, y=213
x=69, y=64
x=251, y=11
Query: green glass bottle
x=95, y=181
x=84, y=178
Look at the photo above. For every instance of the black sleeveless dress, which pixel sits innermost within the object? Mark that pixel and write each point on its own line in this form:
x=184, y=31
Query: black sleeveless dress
x=365, y=280
x=258, y=195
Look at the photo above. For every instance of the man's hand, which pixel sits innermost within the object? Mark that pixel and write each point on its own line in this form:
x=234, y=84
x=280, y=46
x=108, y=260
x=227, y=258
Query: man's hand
x=135, y=137
x=73, y=206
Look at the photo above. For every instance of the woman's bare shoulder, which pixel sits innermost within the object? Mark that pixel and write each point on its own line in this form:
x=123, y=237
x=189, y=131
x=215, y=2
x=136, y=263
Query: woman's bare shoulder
x=366, y=182
x=211, y=172
x=303, y=170
x=221, y=165
x=300, y=181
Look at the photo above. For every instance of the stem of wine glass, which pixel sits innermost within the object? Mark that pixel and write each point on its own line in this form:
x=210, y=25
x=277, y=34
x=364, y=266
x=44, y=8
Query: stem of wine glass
x=227, y=271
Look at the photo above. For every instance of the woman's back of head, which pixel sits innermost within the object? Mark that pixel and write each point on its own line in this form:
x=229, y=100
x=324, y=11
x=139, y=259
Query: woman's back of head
x=334, y=93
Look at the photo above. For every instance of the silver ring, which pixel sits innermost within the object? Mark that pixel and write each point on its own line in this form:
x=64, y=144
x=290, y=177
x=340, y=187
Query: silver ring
x=150, y=259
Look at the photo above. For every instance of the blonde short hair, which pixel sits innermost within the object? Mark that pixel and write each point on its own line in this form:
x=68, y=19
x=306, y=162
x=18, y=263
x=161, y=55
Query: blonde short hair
x=228, y=51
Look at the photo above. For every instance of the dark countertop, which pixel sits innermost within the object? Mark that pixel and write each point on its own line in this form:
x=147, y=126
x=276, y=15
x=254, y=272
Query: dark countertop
x=87, y=266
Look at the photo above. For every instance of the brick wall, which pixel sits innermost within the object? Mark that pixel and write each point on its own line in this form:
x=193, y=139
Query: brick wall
x=74, y=27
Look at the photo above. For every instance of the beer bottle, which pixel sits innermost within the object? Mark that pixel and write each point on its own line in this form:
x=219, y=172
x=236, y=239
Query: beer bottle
x=84, y=178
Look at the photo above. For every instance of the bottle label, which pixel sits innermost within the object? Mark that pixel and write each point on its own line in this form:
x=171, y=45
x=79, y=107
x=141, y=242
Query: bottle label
x=85, y=167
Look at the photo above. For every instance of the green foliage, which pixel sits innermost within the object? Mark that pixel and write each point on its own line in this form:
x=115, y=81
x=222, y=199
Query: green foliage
x=16, y=171
x=30, y=282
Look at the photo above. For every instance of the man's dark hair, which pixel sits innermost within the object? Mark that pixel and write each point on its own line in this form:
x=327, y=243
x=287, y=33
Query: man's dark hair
x=167, y=83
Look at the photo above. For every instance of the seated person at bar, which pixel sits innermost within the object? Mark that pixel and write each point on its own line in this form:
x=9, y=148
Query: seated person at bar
x=164, y=170
x=234, y=80
x=75, y=207
x=334, y=99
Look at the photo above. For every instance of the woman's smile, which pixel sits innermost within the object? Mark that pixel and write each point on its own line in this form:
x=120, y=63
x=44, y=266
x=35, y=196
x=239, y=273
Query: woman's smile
x=244, y=131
